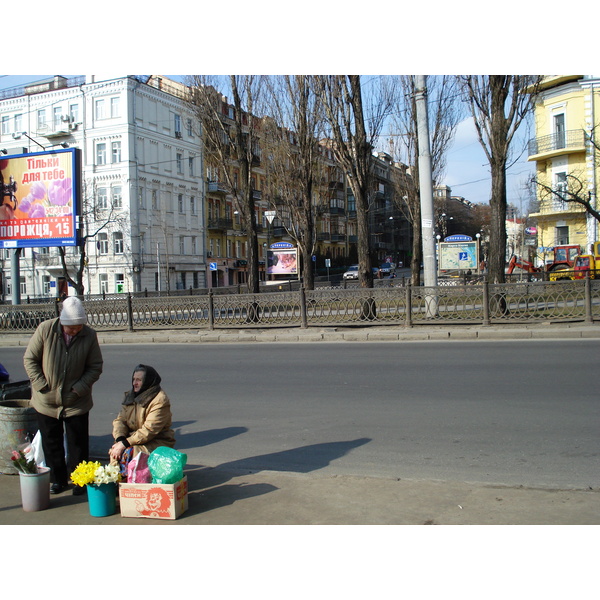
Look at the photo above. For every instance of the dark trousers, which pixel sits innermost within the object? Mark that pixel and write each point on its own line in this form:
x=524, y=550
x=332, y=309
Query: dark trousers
x=53, y=433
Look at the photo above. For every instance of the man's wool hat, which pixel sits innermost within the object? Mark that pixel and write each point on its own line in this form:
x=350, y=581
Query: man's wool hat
x=73, y=312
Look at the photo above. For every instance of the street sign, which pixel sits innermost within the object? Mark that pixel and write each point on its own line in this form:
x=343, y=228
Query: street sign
x=213, y=266
x=270, y=214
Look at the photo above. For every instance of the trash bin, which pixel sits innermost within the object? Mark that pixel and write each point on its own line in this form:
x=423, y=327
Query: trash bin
x=18, y=425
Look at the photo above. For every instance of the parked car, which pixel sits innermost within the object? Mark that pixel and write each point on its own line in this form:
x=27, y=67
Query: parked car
x=351, y=273
x=386, y=269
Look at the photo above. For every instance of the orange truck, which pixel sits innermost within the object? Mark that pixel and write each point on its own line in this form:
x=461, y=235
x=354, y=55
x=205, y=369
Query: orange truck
x=588, y=265
x=563, y=260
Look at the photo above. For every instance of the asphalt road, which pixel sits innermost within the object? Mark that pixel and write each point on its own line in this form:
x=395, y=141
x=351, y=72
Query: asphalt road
x=507, y=412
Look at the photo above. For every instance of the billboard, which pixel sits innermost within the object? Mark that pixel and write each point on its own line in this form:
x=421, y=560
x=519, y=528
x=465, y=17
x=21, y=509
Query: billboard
x=282, y=259
x=458, y=255
x=40, y=199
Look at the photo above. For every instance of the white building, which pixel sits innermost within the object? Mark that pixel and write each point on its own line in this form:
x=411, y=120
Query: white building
x=142, y=183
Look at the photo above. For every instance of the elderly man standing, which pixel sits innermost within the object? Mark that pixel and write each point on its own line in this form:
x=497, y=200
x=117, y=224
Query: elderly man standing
x=63, y=360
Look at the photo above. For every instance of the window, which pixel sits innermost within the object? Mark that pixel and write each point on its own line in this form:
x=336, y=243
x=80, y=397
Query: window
x=179, y=160
x=190, y=129
x=103, y=283
x=177, y=124
x=559, y=130
x=46, y=287
x=116, y=152
x=5, y=125
x=102, y=243
x=191, y=165
x=181, y=245
x=193, y=205
x=117, y=197
x=562, y=236
x=118, y=242
x=23, y=286
x=142, y=198
x=74, y=112
x=18, y=123
x=180, y=203
x=154, y=200
x=41, y=118
x=57, y=117
x=100, y=109
x=102, y=198
x=101, y=154
x=119, y=283
x=194, y=248
x=114, y=107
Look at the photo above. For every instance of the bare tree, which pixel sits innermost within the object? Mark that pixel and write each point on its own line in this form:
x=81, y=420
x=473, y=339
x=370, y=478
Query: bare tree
x=231, y=141
x=94, y=219
x=499, y=104
x=356, y=120
x=293, y=160
x=444, y=115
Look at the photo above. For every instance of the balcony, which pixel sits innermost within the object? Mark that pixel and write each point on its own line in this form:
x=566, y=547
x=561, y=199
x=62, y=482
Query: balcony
x=324, y=236
x=220, y=224
x=217, y=187
x=556, y=144
x=338, y=237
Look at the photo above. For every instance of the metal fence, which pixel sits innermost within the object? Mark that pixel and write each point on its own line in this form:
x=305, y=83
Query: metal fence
x=389, y=302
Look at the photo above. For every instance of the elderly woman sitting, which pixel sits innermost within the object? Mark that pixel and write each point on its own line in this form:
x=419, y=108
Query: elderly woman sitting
x=144, y=422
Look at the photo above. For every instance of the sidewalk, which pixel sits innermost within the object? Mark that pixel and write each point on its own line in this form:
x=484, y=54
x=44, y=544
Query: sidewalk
x=218, y=497
x=274, y=498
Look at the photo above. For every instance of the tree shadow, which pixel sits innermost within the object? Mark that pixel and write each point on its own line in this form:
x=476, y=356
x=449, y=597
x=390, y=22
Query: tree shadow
x=198, y=439
x=100, y=444
x=208, y=488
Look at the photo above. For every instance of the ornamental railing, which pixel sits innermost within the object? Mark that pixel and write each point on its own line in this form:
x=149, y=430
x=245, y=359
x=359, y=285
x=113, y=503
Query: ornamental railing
x=385, y=304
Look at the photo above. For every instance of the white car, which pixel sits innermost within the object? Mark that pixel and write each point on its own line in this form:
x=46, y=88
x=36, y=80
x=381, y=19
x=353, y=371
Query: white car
x=351, y=273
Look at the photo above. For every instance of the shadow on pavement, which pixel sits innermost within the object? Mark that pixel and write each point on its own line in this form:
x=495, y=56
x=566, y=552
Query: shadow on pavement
x=208, y=488
x=204, y=438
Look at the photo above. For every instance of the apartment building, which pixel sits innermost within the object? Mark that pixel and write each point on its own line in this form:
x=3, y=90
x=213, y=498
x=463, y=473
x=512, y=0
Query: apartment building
x=142, y=182
x=566, y=114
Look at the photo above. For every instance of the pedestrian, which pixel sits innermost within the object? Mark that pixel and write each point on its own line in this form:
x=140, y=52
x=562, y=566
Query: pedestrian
x=144, y=422
x=63, y=360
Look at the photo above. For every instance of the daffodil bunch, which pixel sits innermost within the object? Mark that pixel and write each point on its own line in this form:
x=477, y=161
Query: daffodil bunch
x=93, y=473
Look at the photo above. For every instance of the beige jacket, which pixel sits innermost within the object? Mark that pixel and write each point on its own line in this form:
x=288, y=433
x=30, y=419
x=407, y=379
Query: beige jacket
x=145, y=424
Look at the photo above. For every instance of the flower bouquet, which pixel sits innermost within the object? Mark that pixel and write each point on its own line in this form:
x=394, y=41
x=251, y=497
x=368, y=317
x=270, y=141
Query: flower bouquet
x=93, y=473
x=23, y=461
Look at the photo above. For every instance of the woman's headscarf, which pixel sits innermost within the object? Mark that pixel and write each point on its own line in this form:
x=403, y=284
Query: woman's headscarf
x=151, y=378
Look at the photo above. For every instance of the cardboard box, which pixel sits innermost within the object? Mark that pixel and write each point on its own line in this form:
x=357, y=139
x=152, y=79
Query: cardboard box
x=154, y=500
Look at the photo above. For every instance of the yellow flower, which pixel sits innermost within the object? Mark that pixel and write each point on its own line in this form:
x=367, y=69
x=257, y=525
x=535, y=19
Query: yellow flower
x=88, y=473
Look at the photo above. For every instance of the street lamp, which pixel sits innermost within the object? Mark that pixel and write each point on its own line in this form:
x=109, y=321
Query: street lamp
x=478, y=235
x=438, y=237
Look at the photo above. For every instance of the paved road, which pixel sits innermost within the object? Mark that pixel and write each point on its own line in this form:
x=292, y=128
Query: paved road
x=494, y=412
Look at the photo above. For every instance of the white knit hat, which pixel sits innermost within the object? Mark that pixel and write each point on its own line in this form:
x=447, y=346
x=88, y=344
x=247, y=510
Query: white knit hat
x=73, y=312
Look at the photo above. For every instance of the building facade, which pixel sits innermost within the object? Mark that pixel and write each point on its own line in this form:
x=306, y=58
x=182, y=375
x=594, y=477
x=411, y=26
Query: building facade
x=142, y=208
x=566, y=115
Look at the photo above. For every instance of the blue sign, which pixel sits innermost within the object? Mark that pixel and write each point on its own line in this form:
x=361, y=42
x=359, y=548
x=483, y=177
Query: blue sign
x=281, y=245
x=213, y=266
x=458, y=238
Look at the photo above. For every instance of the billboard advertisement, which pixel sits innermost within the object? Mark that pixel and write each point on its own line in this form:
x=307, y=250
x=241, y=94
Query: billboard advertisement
x=40, y=199
x=282, y=259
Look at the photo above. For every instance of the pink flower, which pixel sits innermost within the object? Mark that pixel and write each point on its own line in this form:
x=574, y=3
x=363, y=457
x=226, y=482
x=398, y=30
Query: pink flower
x=37, y=212
x=25, y=204
x=59, y=192
x=38, y=190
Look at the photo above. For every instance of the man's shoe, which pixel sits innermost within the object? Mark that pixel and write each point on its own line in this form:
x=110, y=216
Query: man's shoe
x=78, y=490
x=58, y=488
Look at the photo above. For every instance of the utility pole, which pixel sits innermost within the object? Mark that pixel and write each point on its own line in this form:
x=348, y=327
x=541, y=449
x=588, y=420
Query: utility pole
x=426, y=187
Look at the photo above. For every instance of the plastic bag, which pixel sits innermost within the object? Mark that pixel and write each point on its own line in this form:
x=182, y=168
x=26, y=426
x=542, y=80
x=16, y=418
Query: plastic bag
x=37, y=451
x=166, y=465
x=138, y=470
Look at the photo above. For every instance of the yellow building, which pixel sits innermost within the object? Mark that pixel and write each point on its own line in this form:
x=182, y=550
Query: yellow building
x=566, y=113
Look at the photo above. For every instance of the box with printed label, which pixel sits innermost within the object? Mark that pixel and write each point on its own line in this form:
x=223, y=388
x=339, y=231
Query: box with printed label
x=154, y=500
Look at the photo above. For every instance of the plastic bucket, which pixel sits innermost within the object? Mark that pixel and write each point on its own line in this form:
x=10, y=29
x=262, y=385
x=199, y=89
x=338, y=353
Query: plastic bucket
x=18, y=425
x=35, y=490
x=102, y=499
